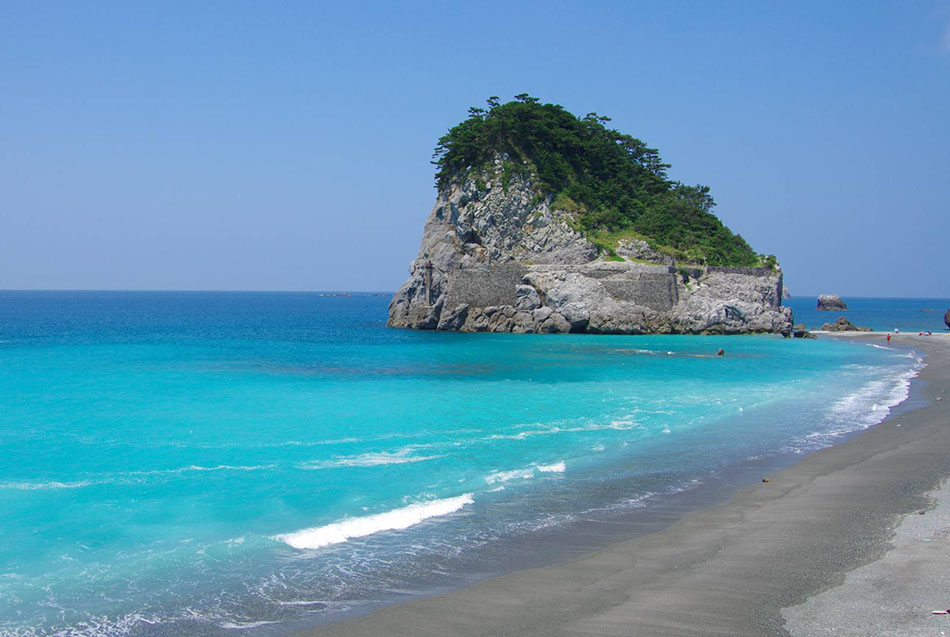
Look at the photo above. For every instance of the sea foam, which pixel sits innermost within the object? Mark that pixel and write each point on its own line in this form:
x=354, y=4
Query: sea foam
x=372, y=459
x=869, y=405
x=526, y=473
x=397, y=519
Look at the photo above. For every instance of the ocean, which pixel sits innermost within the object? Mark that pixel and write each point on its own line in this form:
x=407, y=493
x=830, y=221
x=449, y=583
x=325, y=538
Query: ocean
x=205, y=463
x=906, y=315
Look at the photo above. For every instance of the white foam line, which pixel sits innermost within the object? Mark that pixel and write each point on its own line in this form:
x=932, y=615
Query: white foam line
x=373, y=459
x=506, y=476
x=245, y=625
x=526, y=473
x=866, y=407
x=35, y=486
x=617, y=425
x=395, y=520
x=125, y=477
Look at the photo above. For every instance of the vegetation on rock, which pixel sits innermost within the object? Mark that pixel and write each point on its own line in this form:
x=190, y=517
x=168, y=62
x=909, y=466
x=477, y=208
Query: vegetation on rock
x=614, y=184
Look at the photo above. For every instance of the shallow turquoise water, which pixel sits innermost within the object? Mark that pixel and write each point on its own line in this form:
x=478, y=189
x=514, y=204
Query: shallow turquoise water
x=192, y=462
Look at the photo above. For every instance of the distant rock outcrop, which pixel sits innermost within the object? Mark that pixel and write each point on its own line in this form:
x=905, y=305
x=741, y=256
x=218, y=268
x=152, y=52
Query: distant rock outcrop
x=831, y=303
x=844, y=325
x=786, y=295
x=946, y=317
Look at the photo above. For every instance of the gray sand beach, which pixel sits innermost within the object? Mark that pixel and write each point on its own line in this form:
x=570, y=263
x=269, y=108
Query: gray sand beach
x=824, y=547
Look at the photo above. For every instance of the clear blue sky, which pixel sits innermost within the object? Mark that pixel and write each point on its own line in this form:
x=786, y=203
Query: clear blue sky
x=286, y=146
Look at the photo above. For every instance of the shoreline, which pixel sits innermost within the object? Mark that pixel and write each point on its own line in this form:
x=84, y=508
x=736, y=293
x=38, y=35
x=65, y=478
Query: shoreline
x=729, y=569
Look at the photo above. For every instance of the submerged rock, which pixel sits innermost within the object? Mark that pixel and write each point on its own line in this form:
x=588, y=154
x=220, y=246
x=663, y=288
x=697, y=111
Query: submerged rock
x=831, y=303
x=844, y=325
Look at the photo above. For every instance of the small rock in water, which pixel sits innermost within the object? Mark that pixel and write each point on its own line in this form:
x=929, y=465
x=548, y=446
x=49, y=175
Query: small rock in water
x=831, y=303
x=765, y=480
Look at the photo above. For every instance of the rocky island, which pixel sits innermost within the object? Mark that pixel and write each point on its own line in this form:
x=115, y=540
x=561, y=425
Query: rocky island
x=831, y=303
x=545, y=222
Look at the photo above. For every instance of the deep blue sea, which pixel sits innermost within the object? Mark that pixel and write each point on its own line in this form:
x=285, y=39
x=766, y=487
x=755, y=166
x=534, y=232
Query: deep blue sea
x=205, y=463
x=907, y=315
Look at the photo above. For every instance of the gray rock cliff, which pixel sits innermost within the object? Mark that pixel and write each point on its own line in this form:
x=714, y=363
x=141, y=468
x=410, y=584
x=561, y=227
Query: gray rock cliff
x=946, y=317
x=496, y=257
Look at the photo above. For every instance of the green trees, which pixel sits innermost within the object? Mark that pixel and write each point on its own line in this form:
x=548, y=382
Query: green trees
x=614, y=183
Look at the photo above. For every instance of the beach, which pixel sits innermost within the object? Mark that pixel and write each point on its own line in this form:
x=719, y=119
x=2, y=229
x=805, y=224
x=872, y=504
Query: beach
x=733, y=568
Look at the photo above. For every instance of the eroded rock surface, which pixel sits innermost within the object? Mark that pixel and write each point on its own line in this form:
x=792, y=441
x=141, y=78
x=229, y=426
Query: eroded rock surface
x=831, y=303
x=497, y=257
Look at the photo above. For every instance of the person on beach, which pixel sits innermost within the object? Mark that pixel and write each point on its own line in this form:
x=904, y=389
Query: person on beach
x=888, y=337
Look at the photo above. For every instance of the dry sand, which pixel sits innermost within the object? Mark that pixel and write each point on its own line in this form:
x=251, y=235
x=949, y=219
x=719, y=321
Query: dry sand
x=732, y=569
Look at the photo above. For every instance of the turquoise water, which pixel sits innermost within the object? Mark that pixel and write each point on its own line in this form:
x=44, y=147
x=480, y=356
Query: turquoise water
x=208, y=462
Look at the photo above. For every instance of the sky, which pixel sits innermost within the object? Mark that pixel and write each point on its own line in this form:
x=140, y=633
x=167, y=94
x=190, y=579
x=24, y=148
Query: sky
x=287, y=146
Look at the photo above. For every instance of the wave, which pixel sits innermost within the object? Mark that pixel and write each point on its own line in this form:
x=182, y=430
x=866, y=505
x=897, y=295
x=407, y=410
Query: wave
x=616, y=425
x=526, y=473
x=497, y=477
x=395, y=520
x=39, y=486
x=126, y=477
x=372, y=459
x=246, y=625
x=220, y=467
x=863, y=408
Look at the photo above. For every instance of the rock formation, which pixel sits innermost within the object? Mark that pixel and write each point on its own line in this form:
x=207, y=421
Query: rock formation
x=831, y=303
x=843, y=325
x=946, y=317
x=801, y=331
x=496, y=256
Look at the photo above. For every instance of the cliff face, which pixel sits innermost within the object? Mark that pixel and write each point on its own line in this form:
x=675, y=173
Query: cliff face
x=496, y=257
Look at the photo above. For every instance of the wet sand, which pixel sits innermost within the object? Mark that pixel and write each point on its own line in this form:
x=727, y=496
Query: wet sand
x=732, y=569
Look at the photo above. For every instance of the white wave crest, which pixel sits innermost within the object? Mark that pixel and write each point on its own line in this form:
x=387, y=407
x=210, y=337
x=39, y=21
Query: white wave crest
x=372, y=459
x=497, y=477
x=397, y=519
x=39, y=486
x=127, y=477
x=526, y=473
x=863, y=408
x=617, y=425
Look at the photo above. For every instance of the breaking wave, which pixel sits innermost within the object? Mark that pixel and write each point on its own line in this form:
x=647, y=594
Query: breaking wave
x=395, y=520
